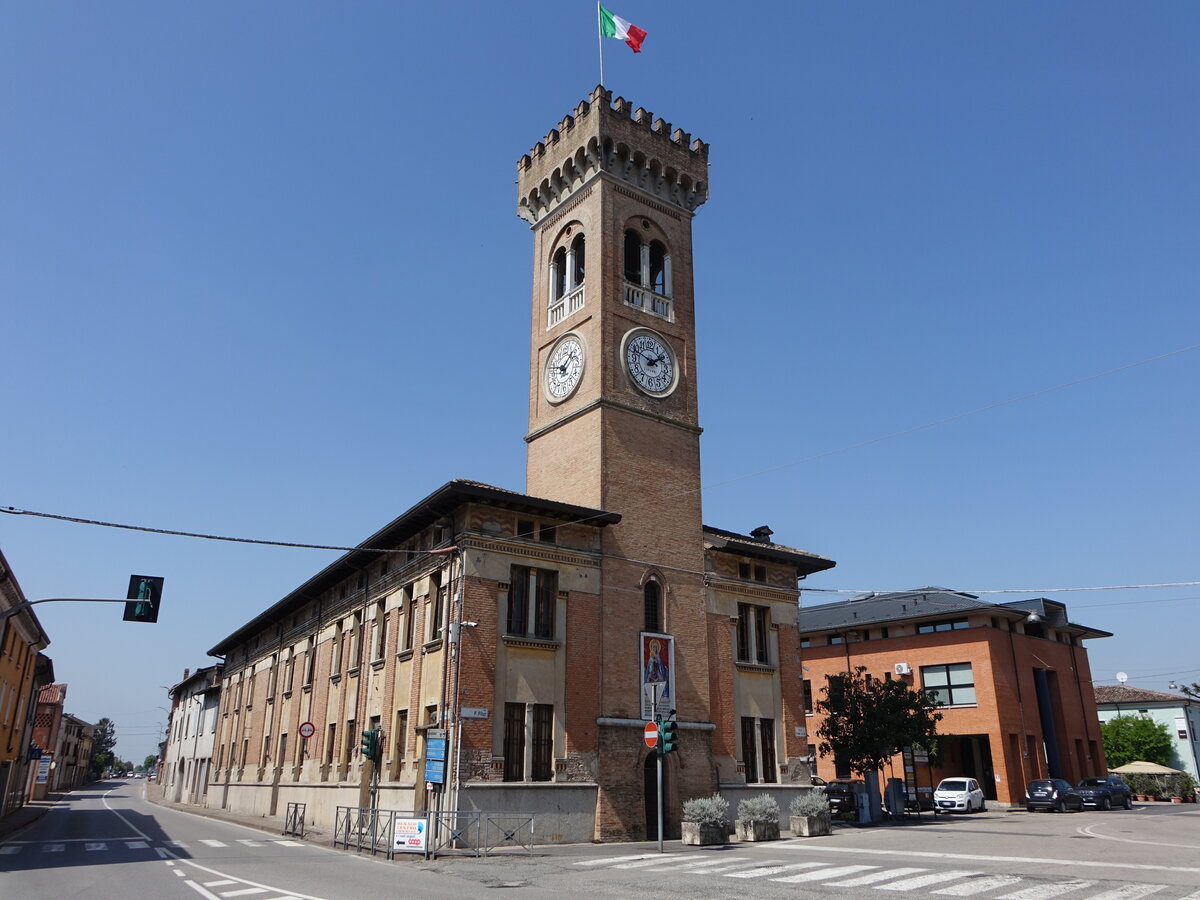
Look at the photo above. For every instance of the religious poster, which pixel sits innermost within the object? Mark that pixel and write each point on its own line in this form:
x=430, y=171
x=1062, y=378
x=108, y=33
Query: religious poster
x=657, y=675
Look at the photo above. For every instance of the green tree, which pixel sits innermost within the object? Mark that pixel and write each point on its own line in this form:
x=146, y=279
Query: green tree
x=149, y=762
x=104, y=739
x=1130, y=738
x=868, y=721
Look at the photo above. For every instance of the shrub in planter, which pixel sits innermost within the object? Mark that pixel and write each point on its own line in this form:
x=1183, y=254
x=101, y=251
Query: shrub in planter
x=758, y=819
x=810, y=814
x=704, y=821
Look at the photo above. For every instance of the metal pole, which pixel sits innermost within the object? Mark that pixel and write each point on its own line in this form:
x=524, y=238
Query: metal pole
x=600, y=42
x=659, y=763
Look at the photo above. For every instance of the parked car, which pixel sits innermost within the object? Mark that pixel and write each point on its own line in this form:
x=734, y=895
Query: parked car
x=1105, y=793
x=1052, y=793
x=841, y=797
x=958, y=794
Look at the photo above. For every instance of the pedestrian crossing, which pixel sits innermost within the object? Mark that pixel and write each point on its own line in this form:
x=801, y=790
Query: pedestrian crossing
x=88, y=846
x=915, y=880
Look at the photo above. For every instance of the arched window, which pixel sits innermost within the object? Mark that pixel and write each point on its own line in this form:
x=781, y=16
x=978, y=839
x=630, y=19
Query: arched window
x=647, y=275
x=652, y=607
x=633, y=257
x=657, y=277
x=566, y=281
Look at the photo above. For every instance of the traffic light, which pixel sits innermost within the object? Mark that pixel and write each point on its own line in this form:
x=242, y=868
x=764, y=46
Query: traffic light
x=370, y=745
x=670, y=737
x=144, y=593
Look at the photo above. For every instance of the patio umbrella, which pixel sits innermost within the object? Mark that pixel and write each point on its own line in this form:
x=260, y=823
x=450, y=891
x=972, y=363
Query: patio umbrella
x=1141, y=767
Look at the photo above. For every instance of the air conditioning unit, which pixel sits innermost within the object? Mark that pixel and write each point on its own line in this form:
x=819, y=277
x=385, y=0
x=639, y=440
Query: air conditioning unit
x=903, y=669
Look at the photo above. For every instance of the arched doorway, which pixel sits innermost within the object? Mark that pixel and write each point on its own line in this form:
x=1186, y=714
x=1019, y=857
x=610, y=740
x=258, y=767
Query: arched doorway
x=650, y=780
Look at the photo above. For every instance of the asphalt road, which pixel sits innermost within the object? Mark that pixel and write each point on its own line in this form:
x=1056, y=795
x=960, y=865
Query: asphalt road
x=109, y=842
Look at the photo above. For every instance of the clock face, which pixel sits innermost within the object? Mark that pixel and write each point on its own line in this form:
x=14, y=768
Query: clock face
x=650, y=362
x=564, y=368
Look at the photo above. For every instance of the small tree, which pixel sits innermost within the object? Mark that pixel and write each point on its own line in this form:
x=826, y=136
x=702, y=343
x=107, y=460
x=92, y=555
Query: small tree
x=149, y=762
x=104, y=739
x=868, y=721
x=1130, y=738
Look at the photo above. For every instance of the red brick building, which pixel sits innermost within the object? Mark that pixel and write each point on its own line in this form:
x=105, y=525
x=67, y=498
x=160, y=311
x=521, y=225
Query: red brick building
x=511, y=646
x=1013, y=677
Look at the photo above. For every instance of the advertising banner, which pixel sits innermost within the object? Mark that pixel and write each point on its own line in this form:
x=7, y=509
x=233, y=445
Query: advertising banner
x=409, y=835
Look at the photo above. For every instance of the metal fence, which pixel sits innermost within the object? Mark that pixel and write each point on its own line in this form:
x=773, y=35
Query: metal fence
x=447, y=831
x=293, y=820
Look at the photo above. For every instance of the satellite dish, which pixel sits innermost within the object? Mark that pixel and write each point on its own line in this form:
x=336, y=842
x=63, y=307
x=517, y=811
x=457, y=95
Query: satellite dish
x=1122, y=677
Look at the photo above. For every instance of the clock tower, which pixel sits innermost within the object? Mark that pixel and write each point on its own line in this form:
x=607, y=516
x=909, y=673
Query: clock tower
x=610, y=194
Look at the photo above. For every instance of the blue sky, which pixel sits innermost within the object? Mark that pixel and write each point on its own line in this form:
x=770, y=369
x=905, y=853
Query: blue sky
x=260, y=263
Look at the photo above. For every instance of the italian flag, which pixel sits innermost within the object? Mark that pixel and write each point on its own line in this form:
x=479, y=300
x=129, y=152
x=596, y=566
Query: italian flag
x=614, y=26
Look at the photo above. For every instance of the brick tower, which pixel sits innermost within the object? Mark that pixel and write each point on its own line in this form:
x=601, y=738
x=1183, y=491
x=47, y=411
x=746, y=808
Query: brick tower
x=609, y=195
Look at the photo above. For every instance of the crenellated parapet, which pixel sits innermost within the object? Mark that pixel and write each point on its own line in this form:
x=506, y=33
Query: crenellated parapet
x=605, y=135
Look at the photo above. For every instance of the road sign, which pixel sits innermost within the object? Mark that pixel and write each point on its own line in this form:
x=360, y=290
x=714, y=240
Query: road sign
x=307, y=730
x=651, y=735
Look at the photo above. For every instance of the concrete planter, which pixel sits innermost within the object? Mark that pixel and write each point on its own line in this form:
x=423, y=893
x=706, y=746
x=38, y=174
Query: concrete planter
x=702, y=834
x=811, y=826
x=755, y=830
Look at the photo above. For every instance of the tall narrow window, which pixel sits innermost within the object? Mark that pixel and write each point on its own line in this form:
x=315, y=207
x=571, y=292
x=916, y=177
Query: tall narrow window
x=336, y=666
x=808, y=697
x=652, y=604
x=350, y=737
x=543, y=742
x=753, y=629
x=400, y=747
x=438, y=612
x=656, y=278
x=536, y=586
x=514, y=741
x=749, y=750
x=579, y=267
x=633, y=257
x=331, y=744
x=310, y=661
x=281, y=757
x=543, y=611
x=409, y=614
x=518, y=600
x=380, y=631
x=356, y=641
x=761, y=630
x=559, y=274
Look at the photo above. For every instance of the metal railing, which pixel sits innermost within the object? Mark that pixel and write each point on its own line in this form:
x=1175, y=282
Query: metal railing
x=464, y=831
x=293, y=820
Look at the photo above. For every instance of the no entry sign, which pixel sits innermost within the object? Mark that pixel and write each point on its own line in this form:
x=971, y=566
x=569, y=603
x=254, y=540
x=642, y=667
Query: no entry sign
x=307, y=730
x=651, y=735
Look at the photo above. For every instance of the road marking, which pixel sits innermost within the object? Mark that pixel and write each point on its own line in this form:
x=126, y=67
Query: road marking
x=54, y=848
x=95, y=845
x=291, y=843
x=764, y=871
x=249, y=843
x=180, y=873
x=875, y=877
x=223, y=881
x=1129, y=892
x=837, y=872
x=645, y=862
x=978, y=886
x=9, y=851
x=920, y=881
x=212, y=843
x=1046, y=891
x=982, y=857
x=293, y=895
x=614, y=859
x=201, y=891
x=180, y=845
x=692, y=866
x=137, y=845
x=1108, y=837
x=243, y=892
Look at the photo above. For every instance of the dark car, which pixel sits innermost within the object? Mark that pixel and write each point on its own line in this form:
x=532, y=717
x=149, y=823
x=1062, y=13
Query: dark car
x=840, y=795
x=1052, y=793
x=1105, y=793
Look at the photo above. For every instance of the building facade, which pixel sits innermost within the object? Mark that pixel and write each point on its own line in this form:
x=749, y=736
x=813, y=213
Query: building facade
x=72, y=754
x=22, y=675
x=526, y=638
x=187, y=754
x=1180, y=715
x=1013, y=680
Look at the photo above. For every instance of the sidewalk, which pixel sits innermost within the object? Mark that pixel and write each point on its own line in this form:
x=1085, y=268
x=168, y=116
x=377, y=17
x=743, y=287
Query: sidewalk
x=25, y=816
x=270, y=824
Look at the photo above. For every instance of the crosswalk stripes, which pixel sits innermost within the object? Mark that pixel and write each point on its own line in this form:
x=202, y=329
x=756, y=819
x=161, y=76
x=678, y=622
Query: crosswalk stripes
x=212, y=843
x=922, y=881
x=978, y=886
x=95, y=845
x=639, y=863
x=1129, y=892
x=836, y=872
x=1047, y=891
x=767, y=871
x=876, y=877
x=137, y=845
x=692, y=867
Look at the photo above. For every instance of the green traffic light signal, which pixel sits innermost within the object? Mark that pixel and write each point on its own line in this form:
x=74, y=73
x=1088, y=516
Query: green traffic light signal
x=145, y=592
x=370, y=745
x=669, y=741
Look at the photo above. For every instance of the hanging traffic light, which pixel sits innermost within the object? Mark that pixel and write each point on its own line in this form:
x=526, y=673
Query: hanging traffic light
x=670, y=737
x=370, y=745
x=145, y=591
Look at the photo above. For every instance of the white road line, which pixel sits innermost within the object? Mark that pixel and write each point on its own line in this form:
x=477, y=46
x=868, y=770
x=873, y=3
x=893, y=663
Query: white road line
x=645, y=862
x=983, y=857
x=979, y=886
x=615, y=859
x=54, y=848
x=764, y=871
x=180, y=873
x=1046, y=891
x=1130, y=892
x=179, y=845
x=920, y=881
x=875, y=877
x=9, y=851
x=201, y=891
x=137, y=845
x=723, y=869
x=212, y=843
x=694, y=866
x=823, y=874
x=95, y=845
x=244, y=892
x=294, y=895
x=249, y=843
x=220, y=883
x=1109, y=837
x=291, y=844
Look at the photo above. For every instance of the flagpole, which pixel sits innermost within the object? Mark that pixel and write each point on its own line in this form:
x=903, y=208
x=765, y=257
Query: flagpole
x=600, y=42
